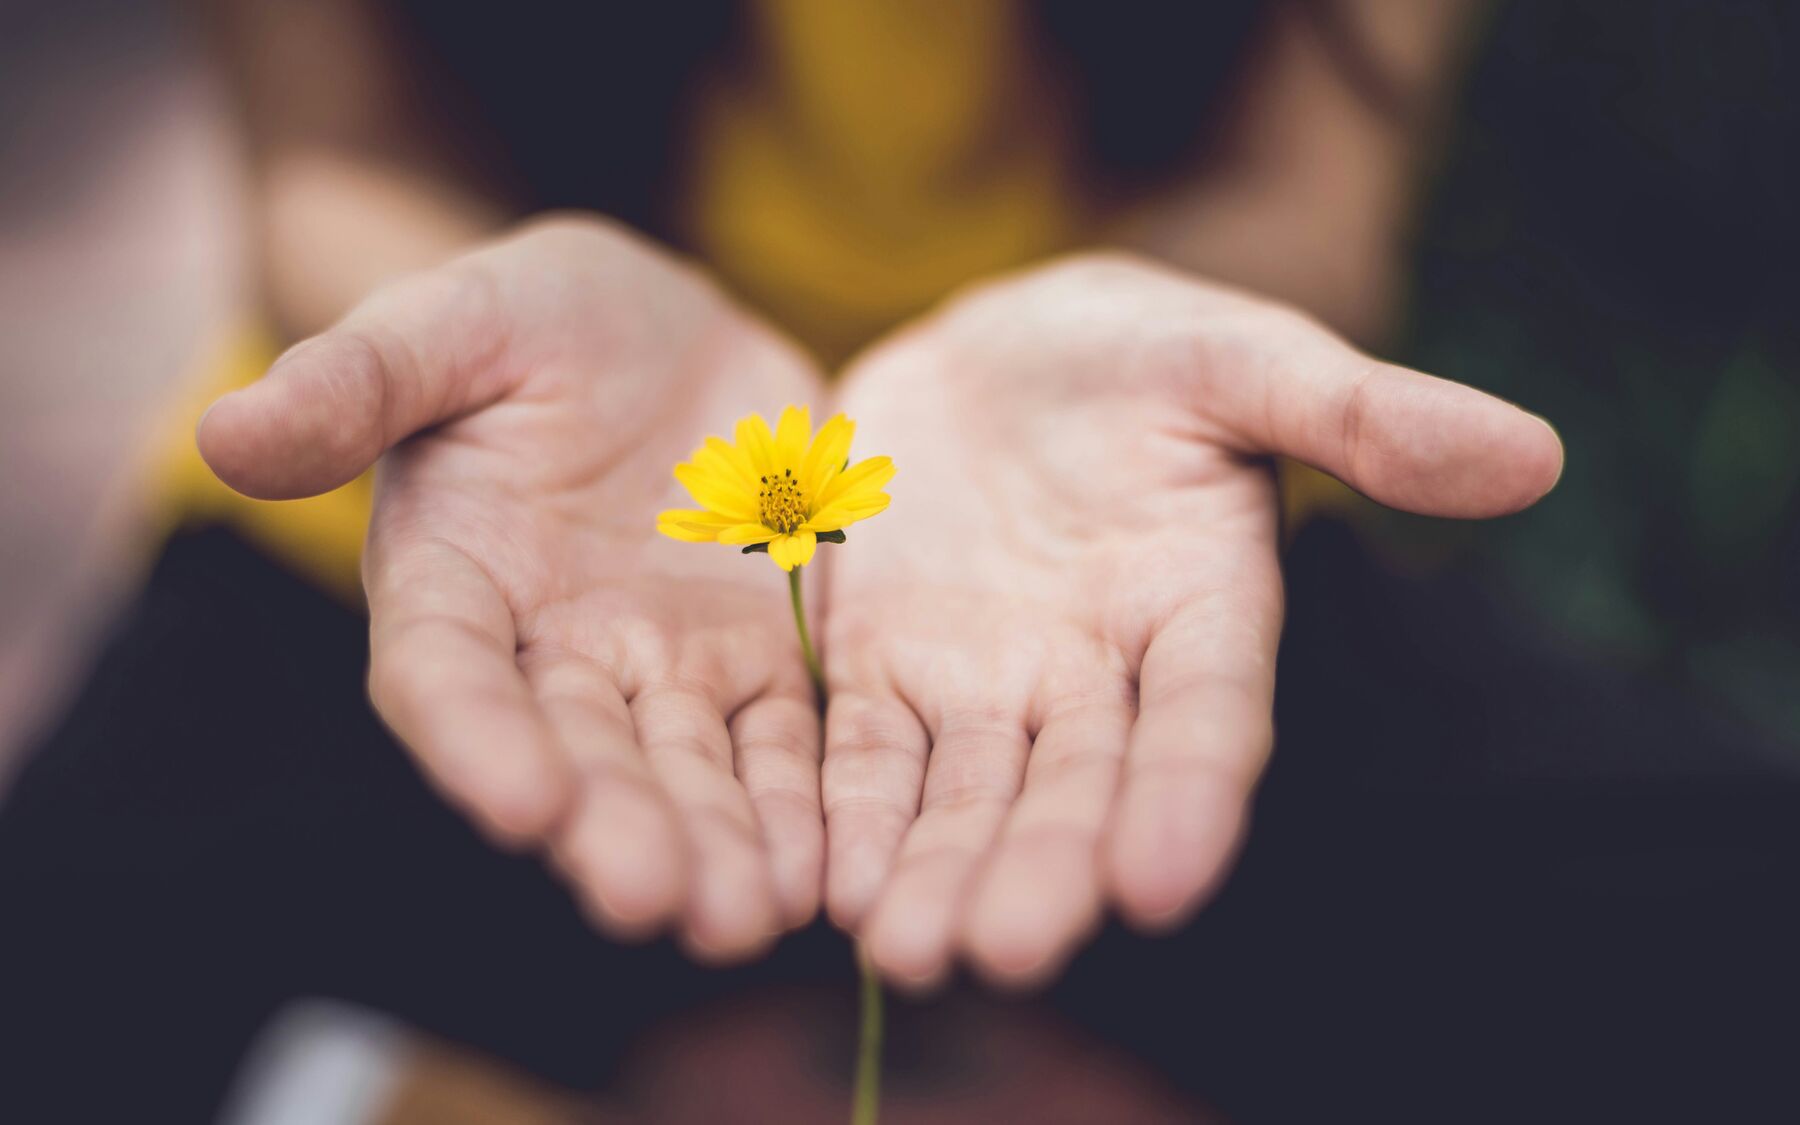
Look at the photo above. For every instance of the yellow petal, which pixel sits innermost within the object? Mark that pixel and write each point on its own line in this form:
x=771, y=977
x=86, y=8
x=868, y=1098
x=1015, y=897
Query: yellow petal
x=696, y=516
x=846, y=512
x=801, y=545
x=826, y=457
x=689, y=525
x=758, y=444
x=790, y=437
x=743, y=534
x=726, y=461
x=790, y=551
x=717, y=493
x=778, y=552
x=863, y=477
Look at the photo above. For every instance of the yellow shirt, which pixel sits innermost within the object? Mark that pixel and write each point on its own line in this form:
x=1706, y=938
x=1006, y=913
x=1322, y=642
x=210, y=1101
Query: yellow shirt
x=871, y=157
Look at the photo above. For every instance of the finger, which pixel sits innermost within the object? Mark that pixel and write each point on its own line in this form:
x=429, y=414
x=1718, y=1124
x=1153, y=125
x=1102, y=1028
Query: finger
x=418, y=351
x=1202, y=735
x=976, y=767
x=874, y=769
x=1406, y=439
x=777, y=746
x=622, y=845
x=443, y=676
x=731, y=911
x=1040, y=894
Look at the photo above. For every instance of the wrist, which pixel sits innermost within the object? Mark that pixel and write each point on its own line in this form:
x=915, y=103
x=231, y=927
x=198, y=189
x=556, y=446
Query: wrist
x=333, y=227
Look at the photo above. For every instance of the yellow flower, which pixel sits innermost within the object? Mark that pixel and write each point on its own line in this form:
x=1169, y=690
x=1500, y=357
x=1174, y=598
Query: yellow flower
x=781, y=492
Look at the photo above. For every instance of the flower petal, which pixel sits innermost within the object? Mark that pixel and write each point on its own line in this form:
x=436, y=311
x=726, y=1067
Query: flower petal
x=743, y=534
x=846, y=512
x=717, y=493
x=791, y=434
x=754, y=438
x=865, y=476
x=826, y=457
x=690, y=525
x=802, y=544
x=725, y=461
x=790, y=551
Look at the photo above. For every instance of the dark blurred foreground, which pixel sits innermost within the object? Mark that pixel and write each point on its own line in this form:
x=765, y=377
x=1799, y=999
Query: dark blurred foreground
x=1425, y=926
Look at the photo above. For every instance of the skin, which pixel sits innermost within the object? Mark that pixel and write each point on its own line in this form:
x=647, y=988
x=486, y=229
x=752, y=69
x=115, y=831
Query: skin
x=635, y=707
x=1051, y=662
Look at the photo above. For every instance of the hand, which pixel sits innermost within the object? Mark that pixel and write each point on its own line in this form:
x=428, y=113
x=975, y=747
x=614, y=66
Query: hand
x=638, y=706
x=1052, y=661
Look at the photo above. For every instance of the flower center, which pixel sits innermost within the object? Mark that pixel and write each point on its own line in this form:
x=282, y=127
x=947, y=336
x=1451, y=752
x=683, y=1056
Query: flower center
x=783, y=507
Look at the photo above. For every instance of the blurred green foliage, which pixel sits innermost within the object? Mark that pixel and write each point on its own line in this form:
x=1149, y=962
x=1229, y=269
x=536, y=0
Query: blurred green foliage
x=1613, y=242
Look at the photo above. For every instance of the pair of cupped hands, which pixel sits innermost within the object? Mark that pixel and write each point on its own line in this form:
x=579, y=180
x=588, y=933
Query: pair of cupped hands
x=1050, y=663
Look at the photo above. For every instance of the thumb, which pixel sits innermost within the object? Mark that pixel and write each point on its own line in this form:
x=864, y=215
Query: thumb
x=419, y=351
x=1401, y=437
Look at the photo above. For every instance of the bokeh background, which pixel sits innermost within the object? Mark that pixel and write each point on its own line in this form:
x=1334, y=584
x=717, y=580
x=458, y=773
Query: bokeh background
x=1532, y=831
x=121, y=250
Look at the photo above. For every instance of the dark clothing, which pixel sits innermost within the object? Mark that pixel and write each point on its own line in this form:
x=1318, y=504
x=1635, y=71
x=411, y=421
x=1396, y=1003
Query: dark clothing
x=584, y=108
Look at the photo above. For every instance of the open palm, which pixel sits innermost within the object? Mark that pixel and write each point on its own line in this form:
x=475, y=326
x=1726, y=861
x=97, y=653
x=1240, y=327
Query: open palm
x=637, y=706
x=1052, y=662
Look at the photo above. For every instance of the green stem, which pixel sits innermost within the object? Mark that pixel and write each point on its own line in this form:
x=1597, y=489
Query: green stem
x=865, y=1096
x=806, y=645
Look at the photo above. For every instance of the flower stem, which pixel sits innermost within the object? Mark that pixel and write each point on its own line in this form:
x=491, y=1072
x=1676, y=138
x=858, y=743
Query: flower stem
x=806, y=645
x=865, y=1098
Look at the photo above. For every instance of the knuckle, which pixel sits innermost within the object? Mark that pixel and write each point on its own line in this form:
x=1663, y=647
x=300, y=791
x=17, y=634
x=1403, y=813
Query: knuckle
x=782, y=726
x=1354, y=418
x=869, y=808
x=1065, y=845
x=1151, y=776
x=966, y=796
x=784, y=802
x=390, y=686
x=1096, y=267
x=1094, y=771
x=719, y=823
x=349, y=372
x=579, y=233
x=926, y=864
x=467, y=290
x=863, y=729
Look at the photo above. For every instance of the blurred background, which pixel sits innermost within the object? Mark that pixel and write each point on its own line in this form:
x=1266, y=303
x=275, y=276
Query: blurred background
x=123, y=226
x=1533, y=827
